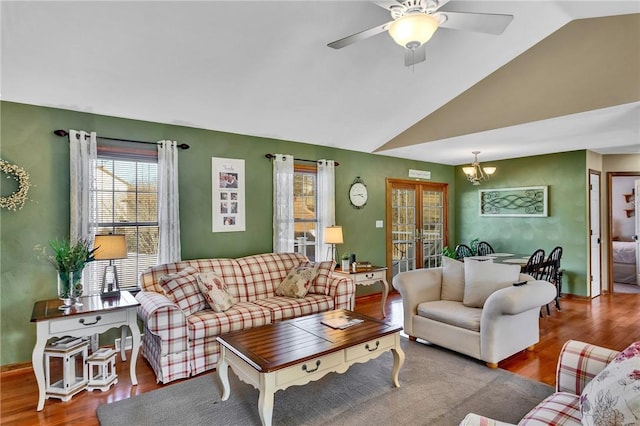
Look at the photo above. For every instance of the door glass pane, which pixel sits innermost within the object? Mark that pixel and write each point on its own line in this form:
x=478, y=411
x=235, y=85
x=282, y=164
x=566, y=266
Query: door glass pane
x=432, y=228
x=403, y=230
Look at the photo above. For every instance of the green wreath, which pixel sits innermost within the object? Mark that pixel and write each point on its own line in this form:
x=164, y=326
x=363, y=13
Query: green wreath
x=16, y=200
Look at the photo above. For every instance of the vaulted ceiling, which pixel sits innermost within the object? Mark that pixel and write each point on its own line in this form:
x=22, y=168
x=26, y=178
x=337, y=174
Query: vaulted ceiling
x=564, y=75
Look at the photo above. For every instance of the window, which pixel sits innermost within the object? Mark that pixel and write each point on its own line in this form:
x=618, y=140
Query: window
x=304, y=210
x=126, y=194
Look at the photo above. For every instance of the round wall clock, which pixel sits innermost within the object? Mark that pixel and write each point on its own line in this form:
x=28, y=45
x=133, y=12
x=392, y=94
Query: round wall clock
x=358, y=194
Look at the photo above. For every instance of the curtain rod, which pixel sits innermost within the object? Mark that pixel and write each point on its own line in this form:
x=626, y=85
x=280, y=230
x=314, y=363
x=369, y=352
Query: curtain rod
x=64, y=133
x=271, y=157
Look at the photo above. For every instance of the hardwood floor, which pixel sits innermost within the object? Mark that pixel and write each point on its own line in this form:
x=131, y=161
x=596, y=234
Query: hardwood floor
x=609, y=320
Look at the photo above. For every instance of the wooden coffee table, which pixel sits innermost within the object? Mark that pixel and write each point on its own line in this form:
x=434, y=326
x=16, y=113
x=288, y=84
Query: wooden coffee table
x=300, y=350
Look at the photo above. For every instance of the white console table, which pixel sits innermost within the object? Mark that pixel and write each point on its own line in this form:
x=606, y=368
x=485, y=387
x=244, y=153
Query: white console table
x=95, y=315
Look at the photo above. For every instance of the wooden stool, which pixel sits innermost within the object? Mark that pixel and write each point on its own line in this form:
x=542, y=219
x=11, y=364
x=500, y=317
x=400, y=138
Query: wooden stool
x=69, y=349
x=104, y=376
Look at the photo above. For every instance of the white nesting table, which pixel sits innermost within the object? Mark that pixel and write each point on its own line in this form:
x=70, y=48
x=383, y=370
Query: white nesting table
x=96, y=315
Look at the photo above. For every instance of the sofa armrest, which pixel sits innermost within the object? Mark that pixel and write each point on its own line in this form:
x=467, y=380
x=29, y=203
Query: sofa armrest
x=165, y=319
x=578, y=363
x=472, y=419
x=514, y=300
x=415, y=287
x=341, y=289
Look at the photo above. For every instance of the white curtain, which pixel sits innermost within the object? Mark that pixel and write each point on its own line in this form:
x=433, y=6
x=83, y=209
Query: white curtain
x=168, y=203
x=326, y=208
x=83, y=156
x=283, y=217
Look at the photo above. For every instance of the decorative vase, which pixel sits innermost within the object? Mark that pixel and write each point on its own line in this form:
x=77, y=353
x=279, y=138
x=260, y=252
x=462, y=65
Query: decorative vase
x=70, y=288
x=345, y=264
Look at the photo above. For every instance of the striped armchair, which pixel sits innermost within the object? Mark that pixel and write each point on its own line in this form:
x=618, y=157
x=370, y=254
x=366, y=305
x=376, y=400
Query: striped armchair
x=578, y=363
x=178, y=344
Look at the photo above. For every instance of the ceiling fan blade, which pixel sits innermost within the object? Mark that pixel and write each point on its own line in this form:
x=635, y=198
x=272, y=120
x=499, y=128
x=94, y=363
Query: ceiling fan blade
x=412, y=57
x=338, y=44
x=478, y=22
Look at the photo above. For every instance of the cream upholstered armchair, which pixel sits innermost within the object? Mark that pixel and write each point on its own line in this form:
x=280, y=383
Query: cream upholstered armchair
x=473, y=307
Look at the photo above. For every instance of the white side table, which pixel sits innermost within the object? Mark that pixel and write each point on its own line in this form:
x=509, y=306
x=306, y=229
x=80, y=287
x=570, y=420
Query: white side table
x=368, y=276
x=95, y=315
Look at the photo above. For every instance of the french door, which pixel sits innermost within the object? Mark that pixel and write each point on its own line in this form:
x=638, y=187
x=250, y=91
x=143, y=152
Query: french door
x=417, y=228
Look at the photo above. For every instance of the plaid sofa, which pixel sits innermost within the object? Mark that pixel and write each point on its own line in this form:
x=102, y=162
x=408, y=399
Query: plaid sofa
x=178, y=345
x=578, y=363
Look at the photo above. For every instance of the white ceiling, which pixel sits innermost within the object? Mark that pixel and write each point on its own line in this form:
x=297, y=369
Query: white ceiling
x=263, y=68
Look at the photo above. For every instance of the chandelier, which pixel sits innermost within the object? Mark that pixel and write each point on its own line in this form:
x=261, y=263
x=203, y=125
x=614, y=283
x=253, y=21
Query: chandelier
x=475, y=173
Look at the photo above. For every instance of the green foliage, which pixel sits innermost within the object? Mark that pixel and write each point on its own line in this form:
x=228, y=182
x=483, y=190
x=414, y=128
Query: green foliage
x=449, y=252
x=69, y=256
x=473, y=245
x=345, y=255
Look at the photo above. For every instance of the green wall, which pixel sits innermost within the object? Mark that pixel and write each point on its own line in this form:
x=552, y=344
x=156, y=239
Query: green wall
x=27, y=140
x=566, y=225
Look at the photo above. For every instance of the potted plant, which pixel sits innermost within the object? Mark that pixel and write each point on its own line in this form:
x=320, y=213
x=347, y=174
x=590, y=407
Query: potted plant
x=69, y=259
x=345, y=261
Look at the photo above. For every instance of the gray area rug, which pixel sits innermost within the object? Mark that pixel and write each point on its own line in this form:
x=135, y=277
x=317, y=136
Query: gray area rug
x=437, y=387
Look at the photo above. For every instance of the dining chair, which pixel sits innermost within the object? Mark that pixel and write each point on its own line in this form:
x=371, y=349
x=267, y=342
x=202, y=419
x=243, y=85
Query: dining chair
x=463, y=250
x=484, y=248
x=533, y=264
x=548, y=271
x=556, y=277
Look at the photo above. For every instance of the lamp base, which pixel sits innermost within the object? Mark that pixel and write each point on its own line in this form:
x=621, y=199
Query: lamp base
x=110, y=285
x=110, y=294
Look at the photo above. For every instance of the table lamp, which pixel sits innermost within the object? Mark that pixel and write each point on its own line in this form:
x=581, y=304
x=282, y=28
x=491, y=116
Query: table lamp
x=333, y=236
x=110, y=247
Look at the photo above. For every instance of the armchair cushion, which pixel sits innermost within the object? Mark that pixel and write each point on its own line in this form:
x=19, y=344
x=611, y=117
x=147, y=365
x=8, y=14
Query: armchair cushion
x=452, y=280
x=482, y=278
x=182, y=289
x=560, y=408
x=613, y=396
x=451, y=312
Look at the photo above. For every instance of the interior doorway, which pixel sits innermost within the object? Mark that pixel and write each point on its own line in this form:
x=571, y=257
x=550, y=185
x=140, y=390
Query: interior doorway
x=623, y=230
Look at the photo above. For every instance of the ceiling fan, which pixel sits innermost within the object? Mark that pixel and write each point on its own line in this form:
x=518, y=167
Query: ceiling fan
x=415, y=21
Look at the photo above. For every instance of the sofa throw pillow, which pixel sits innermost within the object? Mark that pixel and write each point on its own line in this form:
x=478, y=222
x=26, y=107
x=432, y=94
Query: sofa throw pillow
x=613, y=396
x=482, y=278
x=452, y=280
x=297, y=282
x=215, y=291
x=182, y=289
x=320, y=284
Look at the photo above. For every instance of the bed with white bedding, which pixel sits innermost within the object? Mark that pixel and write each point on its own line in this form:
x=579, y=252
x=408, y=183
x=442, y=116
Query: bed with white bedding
x=624, y=262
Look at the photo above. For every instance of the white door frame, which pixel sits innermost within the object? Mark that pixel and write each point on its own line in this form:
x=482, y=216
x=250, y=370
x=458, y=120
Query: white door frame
x=595, y=235
x=610, y=177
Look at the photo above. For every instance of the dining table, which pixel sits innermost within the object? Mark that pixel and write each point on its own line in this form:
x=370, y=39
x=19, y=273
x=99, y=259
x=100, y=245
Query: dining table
x=506, y=258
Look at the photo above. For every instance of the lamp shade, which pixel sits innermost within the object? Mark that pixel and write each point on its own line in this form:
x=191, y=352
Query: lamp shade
x=333, y=235
x=413, y=30
x=469, y=170
x=111, y=246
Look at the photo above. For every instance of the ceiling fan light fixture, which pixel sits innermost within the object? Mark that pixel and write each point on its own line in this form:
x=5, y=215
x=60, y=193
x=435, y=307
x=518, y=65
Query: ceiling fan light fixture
x=413, y=30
